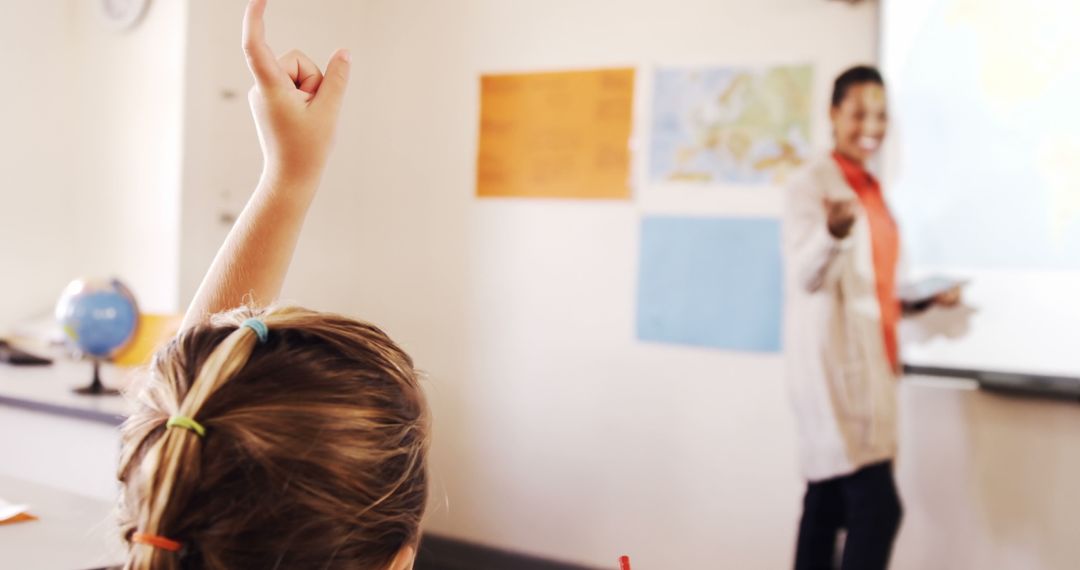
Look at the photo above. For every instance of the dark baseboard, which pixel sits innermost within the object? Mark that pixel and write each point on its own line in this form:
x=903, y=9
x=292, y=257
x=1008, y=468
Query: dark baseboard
x=442, y=553
x=1009, y=383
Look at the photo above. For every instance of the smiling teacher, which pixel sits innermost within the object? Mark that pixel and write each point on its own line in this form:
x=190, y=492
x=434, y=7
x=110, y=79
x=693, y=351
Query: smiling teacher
x=841, y=248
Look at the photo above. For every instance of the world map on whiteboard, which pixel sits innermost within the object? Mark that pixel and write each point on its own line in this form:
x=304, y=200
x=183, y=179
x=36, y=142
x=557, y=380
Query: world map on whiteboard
x=987, y=169
x=729, y=125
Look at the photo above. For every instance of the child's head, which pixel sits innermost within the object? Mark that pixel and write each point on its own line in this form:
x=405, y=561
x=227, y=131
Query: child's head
x=314, y=453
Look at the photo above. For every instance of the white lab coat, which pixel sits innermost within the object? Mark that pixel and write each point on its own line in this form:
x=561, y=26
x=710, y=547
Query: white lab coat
x=842, y=385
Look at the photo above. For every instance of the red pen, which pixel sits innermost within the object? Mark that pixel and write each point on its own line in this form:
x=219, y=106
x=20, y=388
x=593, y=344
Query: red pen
x=624, y=563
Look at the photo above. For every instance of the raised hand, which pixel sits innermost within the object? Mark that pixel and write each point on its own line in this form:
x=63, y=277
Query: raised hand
x=294, y=103
x=950, y=298
x=296, y=109
x=841, y=216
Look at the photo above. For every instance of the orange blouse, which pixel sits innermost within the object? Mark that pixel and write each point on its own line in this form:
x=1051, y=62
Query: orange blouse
x=885, y=242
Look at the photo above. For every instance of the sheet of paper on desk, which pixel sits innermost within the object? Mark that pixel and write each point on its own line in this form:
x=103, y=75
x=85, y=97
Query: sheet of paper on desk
x=11, y=513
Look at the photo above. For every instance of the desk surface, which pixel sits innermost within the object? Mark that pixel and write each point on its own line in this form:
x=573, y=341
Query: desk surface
x=49, y=389
x=72, y=532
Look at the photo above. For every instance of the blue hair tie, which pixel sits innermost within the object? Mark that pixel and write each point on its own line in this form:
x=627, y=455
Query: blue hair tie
x=259, y=327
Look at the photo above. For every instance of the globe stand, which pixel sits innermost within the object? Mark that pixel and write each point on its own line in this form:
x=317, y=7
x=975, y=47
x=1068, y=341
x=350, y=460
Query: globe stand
x=96, y=388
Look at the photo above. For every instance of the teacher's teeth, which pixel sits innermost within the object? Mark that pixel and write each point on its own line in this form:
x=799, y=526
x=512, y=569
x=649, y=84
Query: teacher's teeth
x=869, y=143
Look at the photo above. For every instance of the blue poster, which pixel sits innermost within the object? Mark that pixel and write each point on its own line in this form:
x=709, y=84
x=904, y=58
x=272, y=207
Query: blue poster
x=714, y=282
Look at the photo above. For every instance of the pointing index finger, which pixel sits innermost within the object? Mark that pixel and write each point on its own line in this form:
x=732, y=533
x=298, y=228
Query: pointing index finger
x=260, y=57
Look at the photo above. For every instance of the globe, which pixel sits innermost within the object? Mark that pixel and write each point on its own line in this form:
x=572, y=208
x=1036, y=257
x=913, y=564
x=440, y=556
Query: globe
x=99, y=317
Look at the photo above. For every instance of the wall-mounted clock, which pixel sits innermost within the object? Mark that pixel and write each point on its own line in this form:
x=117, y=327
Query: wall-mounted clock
x=123, y=14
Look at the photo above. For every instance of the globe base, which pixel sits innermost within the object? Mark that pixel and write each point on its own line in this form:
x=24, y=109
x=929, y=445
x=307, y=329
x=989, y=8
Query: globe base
x=96, y=388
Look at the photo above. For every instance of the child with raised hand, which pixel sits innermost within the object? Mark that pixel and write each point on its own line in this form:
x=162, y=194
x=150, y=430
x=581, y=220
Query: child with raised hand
x=276, y=437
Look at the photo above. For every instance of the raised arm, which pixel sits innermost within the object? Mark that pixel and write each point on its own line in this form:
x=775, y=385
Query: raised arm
x=815, y=234
x=296, y=112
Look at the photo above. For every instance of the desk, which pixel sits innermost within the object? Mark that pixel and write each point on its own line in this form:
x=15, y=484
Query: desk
x=73, y=532
x=49, y=389
x=58, y=454
x=56, y=437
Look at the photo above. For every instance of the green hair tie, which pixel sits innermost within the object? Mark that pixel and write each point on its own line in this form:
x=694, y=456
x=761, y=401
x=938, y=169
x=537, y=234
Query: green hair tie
x=186, y=423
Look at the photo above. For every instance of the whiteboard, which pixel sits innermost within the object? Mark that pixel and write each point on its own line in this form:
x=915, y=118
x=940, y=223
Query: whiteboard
x=982, y=168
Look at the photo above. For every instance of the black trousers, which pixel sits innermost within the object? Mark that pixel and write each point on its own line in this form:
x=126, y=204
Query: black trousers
x=866, y=504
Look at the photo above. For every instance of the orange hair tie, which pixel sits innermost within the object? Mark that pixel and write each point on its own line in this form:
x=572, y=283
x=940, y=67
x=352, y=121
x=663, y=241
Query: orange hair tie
x=157, y=541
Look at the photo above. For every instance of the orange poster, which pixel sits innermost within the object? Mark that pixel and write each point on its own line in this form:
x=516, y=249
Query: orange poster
x=555, y=135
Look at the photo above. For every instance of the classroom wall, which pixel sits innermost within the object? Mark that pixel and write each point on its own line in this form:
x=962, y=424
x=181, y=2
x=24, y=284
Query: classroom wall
x=90, y=152
x=222, y=160
x=988, y=480
x=556, y=433
x=128, y=94
x=34, y=115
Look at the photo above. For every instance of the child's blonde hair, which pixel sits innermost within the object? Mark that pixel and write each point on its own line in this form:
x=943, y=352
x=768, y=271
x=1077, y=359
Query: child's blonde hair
x=314, y=453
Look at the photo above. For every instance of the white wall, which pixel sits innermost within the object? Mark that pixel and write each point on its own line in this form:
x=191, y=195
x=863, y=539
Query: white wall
x=128, y=93
x=222, y=160
x=35, y=142
x=90, y=152
x=988, y=481
x=556, y=433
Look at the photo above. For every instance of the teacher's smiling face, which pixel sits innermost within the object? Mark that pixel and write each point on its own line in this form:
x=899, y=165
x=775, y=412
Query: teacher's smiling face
x=860, y=120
